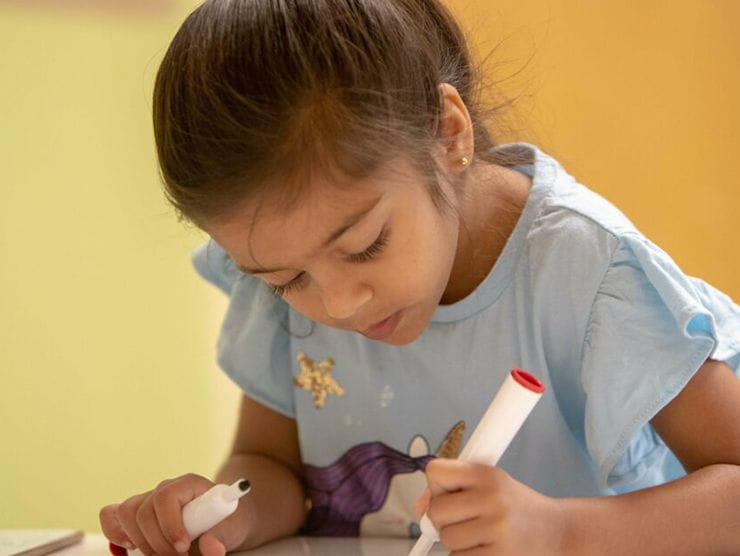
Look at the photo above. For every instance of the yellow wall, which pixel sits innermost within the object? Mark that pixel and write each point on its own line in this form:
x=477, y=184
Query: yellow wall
x=107, y=370
x=639, y=101
x=106, y=360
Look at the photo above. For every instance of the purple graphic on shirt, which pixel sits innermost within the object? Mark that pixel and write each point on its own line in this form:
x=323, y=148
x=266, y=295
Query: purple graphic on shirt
x=355, y=485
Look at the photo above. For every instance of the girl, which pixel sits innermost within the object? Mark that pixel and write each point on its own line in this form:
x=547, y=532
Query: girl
x=387, y=265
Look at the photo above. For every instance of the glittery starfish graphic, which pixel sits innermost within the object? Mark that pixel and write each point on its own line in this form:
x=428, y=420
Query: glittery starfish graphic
x=317, y=379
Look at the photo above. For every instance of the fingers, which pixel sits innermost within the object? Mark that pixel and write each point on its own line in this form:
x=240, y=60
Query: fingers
x=148, y=522
x=481, y=509
x=467, y=535
x=461, y=506
x=460, y=493
x=210, y=545
x=450, y=475
x=168, y=501
x=477, y=551
x=420, y=506
x=126, y=515
x=152, y=521
x=111, y=527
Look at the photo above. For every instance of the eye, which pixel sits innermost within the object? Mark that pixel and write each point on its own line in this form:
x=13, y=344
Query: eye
x=295, y=284
x=374, y=250
x=371, y=252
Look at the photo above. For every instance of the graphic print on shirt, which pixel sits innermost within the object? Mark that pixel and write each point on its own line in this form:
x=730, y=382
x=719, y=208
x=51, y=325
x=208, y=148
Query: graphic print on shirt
x=317, y=379
x=372, y=488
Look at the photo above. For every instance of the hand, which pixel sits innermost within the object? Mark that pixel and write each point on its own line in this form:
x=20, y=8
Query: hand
x=152, y=521
x=481, y=510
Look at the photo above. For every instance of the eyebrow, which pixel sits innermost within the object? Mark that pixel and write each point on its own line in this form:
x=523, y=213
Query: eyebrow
x=335, y=235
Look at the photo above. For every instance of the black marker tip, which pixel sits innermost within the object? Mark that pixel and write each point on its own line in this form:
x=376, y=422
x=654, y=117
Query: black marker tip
x=244, y=485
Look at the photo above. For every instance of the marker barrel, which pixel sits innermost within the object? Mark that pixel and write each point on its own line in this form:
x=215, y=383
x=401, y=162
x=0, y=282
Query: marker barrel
x=502, y=420
x=212, y=507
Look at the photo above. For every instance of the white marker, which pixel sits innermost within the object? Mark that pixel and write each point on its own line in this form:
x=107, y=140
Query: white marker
x=502, y=420
x=208, y=509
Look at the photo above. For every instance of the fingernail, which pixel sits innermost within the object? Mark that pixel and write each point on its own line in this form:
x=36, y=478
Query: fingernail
x=181, y=546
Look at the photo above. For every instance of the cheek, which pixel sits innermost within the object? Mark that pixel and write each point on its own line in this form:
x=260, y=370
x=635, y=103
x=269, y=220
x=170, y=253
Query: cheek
x=307, y=303
x=432, y=251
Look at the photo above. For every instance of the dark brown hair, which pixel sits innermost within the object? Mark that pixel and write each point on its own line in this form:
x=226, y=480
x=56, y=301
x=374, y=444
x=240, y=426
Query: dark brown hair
x=258, y=92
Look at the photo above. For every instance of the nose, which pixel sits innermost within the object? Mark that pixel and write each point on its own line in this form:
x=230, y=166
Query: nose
x=343, y=297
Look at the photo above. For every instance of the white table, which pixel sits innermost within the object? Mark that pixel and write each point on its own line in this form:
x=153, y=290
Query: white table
x=96, y=544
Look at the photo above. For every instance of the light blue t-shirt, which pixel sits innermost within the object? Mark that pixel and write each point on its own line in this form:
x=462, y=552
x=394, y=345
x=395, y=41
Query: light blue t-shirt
x=578, y=297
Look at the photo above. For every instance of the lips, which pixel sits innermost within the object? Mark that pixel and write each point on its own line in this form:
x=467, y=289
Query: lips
x=384, y=328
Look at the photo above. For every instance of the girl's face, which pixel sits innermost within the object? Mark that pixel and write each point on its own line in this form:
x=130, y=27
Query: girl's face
x=372, y=257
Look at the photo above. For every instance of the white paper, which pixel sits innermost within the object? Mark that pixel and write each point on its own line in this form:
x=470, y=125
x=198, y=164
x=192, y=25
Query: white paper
x=16, y=541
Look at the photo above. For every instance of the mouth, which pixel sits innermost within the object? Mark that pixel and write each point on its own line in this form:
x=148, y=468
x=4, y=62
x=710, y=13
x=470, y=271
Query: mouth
x=384, y=328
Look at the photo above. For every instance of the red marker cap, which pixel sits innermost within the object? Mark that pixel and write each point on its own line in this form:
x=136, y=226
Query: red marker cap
x=529, y=381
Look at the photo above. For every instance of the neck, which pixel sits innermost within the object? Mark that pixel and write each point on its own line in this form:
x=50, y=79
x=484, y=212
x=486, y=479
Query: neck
x=490, y=207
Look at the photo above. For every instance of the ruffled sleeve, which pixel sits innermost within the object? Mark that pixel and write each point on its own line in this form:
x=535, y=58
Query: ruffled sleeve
x=254, y=344
x=651, y=328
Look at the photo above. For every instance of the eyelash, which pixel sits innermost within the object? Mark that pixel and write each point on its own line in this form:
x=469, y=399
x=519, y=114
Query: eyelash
x=374, y=250
x=368, y=254
x=294, y=284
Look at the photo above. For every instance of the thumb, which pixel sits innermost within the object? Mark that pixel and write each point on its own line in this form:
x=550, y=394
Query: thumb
x=211, y=545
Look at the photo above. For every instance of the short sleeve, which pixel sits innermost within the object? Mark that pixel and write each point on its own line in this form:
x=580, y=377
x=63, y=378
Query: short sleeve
x=254, y=344
x=216, y=266
x=651, y=328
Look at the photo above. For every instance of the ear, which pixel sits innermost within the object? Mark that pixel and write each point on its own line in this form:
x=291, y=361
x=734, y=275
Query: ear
x=455, y=132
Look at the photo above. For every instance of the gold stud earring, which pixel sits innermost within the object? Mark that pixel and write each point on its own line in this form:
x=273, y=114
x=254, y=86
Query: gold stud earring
x=464, y=161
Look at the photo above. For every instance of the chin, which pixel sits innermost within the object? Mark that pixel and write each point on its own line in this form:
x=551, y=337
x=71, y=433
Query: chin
x=400, y=341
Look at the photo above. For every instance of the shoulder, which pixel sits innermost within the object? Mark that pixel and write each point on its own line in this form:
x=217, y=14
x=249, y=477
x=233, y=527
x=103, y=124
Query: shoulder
x=572, y=212
x=573, y=238
x=248, y=294
x=254, y=343
x=215, y=265
x=571, y=216
x=575, y=244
